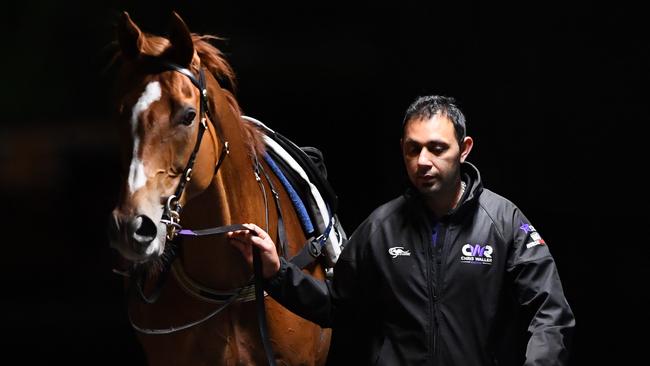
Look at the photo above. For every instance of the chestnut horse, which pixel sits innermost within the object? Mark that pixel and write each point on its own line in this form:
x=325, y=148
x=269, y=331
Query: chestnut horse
x=202, y=313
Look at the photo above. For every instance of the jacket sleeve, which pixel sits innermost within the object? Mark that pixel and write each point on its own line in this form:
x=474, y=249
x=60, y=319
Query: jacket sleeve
x=323, y=302
x=539, y=290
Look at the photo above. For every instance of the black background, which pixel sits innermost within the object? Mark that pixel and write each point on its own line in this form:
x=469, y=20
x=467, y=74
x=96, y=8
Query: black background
x=554, y=93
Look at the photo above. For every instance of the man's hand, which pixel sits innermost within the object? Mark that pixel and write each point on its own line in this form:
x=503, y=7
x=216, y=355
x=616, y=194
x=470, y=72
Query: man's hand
x=244, y=239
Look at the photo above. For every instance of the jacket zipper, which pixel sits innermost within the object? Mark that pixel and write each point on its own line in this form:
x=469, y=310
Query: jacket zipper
x=432, y=300
x=440, y=248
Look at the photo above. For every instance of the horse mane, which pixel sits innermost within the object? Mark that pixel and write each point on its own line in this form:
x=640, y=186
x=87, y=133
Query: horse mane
x=213, y=60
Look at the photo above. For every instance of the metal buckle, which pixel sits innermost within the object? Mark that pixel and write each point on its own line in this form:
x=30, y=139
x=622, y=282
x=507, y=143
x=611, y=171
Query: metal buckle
x=314, y=248
x=173, y=223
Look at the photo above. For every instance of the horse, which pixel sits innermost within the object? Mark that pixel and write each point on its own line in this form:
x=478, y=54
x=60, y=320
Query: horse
x=195, y=305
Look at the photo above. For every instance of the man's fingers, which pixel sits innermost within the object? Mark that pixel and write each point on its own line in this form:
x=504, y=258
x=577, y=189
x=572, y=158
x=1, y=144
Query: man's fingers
x=238, y=233
x=244, y=241
x=253, y=236
x=256, y=230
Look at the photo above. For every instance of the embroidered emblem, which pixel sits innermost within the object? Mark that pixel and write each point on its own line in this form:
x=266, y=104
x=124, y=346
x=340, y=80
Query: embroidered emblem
x=398, y=251
x=529, y=229
x=477, y=254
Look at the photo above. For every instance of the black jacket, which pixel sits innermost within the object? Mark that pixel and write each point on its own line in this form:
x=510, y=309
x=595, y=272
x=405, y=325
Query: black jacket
x=398, y=298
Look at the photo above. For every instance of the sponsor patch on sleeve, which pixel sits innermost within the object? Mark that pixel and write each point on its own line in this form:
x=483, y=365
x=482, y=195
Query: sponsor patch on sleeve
x=536, y=239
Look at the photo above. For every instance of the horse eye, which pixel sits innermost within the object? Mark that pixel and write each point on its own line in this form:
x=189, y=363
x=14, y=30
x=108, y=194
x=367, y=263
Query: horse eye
x=189, y=116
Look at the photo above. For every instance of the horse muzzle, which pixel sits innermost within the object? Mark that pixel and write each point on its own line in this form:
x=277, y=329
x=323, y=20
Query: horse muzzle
x=137, y=238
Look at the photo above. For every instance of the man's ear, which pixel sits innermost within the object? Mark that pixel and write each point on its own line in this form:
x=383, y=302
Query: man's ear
x=465, y=148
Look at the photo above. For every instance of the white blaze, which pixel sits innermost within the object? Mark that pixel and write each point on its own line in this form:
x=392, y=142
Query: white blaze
x=137, y=176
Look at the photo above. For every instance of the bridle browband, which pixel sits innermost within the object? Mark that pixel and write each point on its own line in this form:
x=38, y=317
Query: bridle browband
x=172, y=210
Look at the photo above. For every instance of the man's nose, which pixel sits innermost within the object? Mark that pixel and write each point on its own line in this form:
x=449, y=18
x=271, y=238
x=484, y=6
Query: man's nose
x=424, y=158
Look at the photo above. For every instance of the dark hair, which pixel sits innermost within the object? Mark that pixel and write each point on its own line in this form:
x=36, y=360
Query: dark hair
x=428, y=106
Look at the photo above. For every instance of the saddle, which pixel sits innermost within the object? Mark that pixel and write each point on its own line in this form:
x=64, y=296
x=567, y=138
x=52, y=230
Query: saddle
x=303, y=173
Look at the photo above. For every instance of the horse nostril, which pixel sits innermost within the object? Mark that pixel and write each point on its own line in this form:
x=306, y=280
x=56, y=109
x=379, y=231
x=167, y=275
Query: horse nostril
x=143, y=229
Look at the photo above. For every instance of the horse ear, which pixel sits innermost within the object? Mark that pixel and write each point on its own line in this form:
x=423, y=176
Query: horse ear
x=129, y=36
x=181, y=50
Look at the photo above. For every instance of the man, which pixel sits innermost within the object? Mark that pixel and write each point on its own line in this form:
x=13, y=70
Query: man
x=433, y=276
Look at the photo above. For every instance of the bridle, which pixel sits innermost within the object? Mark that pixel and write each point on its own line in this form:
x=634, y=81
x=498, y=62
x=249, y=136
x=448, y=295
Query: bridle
x=172, y=211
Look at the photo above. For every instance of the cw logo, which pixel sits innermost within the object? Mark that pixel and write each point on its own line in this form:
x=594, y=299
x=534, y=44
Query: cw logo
x=397, y=251
x=477, y=250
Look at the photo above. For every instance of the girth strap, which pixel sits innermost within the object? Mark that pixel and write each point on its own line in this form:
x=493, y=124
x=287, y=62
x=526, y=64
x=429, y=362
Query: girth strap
x=257, y=270
x=282, y=233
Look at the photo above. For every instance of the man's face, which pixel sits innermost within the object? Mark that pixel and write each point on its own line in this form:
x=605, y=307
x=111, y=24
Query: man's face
x=431, y=154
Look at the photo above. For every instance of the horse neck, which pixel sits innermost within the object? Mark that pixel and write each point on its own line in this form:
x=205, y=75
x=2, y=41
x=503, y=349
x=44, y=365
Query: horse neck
x=232, y=197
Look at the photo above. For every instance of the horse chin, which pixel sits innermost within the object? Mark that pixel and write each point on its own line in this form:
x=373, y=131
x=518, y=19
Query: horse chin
x=158, y=260
x=149, y=254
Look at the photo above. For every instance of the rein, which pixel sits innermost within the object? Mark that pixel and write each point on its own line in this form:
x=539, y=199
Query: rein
x=171, y=219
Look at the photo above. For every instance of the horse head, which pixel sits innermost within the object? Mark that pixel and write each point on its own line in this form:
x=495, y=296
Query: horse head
x=162, y=110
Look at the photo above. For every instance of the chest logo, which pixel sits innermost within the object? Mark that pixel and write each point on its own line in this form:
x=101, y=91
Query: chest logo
x=398, y=251
x=477, y=254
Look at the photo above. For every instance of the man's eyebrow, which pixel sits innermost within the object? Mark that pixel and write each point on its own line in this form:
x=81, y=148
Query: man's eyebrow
x=409, y=140
x=428, y=142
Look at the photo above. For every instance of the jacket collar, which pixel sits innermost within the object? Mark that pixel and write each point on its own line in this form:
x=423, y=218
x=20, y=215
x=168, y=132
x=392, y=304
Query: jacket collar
x=474, y=186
